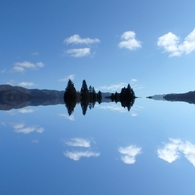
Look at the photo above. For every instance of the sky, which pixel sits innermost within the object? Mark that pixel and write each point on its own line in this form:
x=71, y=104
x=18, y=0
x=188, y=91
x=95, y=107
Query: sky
x=149, y=44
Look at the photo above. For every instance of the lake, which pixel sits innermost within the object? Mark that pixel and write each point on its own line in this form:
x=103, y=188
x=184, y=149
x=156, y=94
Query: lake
x=147, y=150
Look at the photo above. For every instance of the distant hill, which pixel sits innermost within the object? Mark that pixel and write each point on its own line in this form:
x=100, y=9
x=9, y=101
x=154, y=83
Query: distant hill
x=13, y=97
x=188, y=97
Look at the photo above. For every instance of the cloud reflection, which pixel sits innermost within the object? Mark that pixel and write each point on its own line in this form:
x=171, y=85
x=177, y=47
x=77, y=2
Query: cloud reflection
x=129, y=153
x=22, y=128
x=172, y=151
x=78, y=142
x=25, y=111
x=79, y=153
x=71, y=117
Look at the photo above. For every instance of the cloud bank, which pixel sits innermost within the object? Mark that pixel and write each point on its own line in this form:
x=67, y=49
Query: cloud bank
x=129, y=41
x=172, y=44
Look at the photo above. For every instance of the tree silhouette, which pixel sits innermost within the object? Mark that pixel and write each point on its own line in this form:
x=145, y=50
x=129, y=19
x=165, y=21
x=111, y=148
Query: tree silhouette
x=126, y=97
x=70, y=97
x=84, y=97
x=87, y=97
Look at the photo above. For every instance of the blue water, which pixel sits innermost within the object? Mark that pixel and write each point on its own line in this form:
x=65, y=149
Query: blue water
x=148, y=150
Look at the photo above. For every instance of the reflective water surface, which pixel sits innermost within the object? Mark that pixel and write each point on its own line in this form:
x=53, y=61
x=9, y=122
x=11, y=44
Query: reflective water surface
x=148, y=150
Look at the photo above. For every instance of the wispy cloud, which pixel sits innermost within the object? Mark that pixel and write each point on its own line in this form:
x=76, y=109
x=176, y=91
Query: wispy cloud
x=23, y=66
x=25, y=110
x=113, y=87
x=78, y=142
x=80, y=52
x=129, y=153
x=76, y=155
x=129, y=41
x=26, y=84
x=71, y=77
x=172, y=151
x=22, y=128
x=76, y=39
x=171, y=43
x=71, y=117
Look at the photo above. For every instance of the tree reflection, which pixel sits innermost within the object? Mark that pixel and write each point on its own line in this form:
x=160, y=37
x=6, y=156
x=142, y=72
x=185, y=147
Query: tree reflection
x=87, y=97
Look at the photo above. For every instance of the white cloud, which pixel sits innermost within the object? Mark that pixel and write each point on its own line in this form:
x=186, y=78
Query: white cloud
x=78, y=142
x=71, y=77
x=71, y=117
x=129, y=153
x=81, y=52
x=76, y=39
x=133, y=114
x=23, y=66
x=25, y=110
x=129, y=41
x=113, y=87
x=134, y=80
x=76, y=155
x=171, y=44
x=172, y=150
x=21, y=128
x=26, y=84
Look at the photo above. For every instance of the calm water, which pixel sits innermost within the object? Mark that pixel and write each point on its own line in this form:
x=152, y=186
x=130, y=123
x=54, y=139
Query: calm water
x=149, y=150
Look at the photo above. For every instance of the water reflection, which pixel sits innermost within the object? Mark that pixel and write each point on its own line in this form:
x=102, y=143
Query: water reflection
x=174, y=148
x=22, y=128
x=129, y=153
x=79, y=148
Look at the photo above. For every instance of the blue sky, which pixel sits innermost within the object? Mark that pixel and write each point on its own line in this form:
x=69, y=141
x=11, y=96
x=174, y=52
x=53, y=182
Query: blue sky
x=149, y=44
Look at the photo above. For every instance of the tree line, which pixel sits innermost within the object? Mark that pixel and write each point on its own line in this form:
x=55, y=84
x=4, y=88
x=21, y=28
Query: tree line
x=87, y=97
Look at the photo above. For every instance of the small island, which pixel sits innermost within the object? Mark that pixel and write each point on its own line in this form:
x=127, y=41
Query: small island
x=87, y=97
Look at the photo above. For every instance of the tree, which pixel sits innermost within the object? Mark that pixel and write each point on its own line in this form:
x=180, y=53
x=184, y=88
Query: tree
x=70, y=97
x=84, y=93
